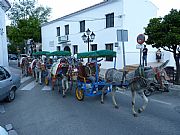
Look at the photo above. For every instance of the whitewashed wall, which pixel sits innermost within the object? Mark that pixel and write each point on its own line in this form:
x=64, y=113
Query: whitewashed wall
x=135, y=16
x=3, y=41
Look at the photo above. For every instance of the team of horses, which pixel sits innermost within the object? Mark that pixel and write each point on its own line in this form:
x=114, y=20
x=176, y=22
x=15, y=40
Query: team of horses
x=65, y=70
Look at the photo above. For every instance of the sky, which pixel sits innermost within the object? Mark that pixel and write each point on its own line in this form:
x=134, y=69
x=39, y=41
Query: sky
x=65, y=7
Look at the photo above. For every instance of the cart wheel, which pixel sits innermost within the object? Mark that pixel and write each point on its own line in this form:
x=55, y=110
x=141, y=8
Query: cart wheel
x=46, y=81
x=147, y=92
x=79, y=94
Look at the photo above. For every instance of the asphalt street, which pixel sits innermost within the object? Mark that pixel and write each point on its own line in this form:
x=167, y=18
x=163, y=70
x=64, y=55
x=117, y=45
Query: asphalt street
x=40, y=111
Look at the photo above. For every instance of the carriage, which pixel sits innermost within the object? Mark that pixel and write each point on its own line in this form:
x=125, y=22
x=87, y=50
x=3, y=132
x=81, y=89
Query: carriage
x=88, y=84
x=38, y=67
x=62, y=69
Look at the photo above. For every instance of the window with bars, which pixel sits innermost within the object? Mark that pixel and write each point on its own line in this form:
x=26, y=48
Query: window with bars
x=110, y=20
x=109, y=47
x=66, y=29
x=82, y=26
x=58, y=31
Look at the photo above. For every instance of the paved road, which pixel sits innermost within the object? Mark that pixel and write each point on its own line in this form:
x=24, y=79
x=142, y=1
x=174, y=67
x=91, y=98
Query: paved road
x=40, y=111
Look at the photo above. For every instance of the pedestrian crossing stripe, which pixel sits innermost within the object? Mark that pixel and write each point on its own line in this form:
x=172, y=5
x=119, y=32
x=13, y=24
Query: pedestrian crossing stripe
x=25, y=79
x=33, y=84
x=46, y=88
x=29, y=86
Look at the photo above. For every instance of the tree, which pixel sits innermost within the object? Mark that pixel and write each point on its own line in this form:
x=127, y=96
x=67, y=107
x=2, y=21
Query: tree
x=26, y=19
x=165, y=33
x=25, y=9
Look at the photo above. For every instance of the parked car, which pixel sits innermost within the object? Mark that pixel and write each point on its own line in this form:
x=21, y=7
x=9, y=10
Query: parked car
x=13, y=57
x=9, y=83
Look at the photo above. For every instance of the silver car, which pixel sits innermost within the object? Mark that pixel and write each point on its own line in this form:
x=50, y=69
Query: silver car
x=9, y=83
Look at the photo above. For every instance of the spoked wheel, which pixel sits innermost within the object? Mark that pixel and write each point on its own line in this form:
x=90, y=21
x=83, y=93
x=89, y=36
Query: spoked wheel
x=79, y=94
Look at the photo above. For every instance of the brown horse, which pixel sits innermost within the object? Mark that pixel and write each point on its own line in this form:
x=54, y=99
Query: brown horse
x=24, y=64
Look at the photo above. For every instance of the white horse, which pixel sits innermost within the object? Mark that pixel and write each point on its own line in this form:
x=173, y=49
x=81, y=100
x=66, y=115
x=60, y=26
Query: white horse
x=38, y=70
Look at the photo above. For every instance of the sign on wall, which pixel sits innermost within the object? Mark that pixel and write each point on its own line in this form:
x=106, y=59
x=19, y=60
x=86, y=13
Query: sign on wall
x=122, y=35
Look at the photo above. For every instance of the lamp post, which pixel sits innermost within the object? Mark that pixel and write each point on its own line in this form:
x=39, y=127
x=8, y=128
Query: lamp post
x=88, y=37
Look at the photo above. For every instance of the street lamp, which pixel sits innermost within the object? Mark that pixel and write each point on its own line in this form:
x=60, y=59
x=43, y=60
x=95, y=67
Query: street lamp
x=88, y=37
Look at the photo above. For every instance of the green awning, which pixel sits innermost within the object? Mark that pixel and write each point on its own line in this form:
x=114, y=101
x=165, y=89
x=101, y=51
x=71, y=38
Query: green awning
x=60, y=53
x=41, y=53
x=99, y=53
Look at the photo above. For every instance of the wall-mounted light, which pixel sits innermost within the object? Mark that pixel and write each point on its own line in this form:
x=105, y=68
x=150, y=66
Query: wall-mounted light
x=1, y=31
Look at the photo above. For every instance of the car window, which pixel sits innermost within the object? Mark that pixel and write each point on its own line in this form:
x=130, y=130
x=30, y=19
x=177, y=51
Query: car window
x=2, y=74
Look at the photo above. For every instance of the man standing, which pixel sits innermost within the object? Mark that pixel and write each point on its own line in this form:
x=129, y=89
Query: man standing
x=145, y=50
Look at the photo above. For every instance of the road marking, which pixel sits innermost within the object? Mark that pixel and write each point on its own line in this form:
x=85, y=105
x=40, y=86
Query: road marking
x=162, y=102
x=159, y=101
x=29, y=86
x=25, y=79
x=46, y=88
x=2, y=110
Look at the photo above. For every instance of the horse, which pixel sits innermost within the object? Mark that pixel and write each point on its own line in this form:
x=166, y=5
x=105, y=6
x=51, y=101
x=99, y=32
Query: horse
x=135, y=80
x=58, y=72
x=65, y=69
x=38, y=70
x=32, y=67
x=24, y=64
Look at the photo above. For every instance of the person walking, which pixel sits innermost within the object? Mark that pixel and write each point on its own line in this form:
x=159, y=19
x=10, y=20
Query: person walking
x=145, y=50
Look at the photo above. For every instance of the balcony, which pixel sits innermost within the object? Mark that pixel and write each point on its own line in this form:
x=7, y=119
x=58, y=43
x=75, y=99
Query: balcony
x=63, y=39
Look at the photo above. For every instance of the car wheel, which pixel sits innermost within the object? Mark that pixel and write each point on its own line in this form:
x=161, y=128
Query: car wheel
x=11, y=95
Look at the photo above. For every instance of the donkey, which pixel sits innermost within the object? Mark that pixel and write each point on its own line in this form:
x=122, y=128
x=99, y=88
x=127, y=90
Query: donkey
x=136, y=82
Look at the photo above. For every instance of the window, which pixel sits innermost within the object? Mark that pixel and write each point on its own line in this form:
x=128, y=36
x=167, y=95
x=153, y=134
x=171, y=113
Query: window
x=93, y=47
x=109, y=47
x=58, y=48
x=4, y=74
x=75, y=49
x=110, y=20
x=66, y=29
x=82, y=26
x=58, y=31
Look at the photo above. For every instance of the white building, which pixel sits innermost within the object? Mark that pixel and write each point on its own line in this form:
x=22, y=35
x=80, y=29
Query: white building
x=4, y=6
x=104, y=19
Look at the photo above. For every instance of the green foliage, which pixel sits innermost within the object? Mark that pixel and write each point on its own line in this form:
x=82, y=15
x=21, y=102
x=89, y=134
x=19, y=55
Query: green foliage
x=25, y=9
x=26, y=19
x=12, y=49
x=165, y=33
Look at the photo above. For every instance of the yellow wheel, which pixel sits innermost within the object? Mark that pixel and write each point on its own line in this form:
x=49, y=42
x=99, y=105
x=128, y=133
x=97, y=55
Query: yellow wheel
x=79, y=94
x=46, y=81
